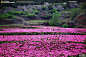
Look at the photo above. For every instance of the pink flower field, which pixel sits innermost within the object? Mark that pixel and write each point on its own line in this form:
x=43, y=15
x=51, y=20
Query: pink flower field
x=42, y=45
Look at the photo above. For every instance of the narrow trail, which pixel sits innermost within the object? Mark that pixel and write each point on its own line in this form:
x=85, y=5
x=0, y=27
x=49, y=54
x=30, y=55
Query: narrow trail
x=21, y=19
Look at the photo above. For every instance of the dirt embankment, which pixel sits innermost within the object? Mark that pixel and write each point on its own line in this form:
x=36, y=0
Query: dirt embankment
x=80, y=20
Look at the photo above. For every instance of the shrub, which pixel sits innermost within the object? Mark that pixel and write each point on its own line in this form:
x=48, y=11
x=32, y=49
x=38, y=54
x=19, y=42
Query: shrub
x=55, y=4
x=83, y=11
x=6, y=15
x=52, y=11
x=64, y=6
x=22, y=13
x=30, y=15
x=74, y=13
x=85, y=15
x=55, y=18
x=50, y=7
x=44, y=8
x=18, y=13
x=4, y=7
x=58, y=9
x=46, y=17
x=83, y=6
x=10, y=11
x=34, y=8
x=23, y=9
x=65, y=25
x=36, y=12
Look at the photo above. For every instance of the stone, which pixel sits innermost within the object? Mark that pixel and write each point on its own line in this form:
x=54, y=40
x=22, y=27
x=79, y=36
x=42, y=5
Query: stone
x=7, y=9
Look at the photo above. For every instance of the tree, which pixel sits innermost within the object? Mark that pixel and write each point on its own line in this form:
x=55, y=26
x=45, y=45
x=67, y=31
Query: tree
x=65, y=25
x=55, y=18
x=83, y=6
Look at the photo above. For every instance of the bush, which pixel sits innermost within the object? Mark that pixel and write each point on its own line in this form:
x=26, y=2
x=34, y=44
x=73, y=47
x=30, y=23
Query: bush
x=6, y=15
x=36, y=12
x=50, y=7
x=44, y=8
x=52, y=11
x=46, y=17
x=64, y=6
x=10, y=11
x=18, y=13
x=55, y=4
x=22, y=13
x=65, y=25
x=83, y=11
x=58, y=9
x=75, y=12
x=83, y=6
x=85, y=15
x=30, y=15
x=55, y=18
x=34, y=8
x=4, y=7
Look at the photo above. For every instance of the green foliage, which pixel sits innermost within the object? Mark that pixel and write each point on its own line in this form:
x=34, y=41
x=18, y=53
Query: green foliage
x=23, y=9
x=64, y=6
x=75, y=12
x=55, y=18
x=68, y=4
x=74, y=27
x=10, y=11
x=18, y=13
x=34, y=8
x=22, y=13
x=36, y=12
x=61, y=3
x=58, y=9
x=83, y=6
x=85, y=15
x=4, y=7
x=6, y=15
x=44, y=8
x=30, y=15
x=50, y=7
x=83, y=11
x=52, y=11
x=55, y=4
x=0, y=13
x=65, y=25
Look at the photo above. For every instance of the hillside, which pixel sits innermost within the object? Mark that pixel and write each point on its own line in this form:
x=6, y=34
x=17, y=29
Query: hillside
x=41, y=14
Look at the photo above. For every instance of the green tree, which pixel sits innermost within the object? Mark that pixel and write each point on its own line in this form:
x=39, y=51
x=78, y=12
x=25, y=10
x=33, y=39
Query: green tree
x=50, y=7
x=75, y=12
x=44, y=8
x=55, y=4
x=65, y=25
x=55, y=18
x=6, y=15
x=83, y=5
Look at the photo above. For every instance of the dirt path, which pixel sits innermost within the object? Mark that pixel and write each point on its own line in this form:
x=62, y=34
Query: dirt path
x=21, y=19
